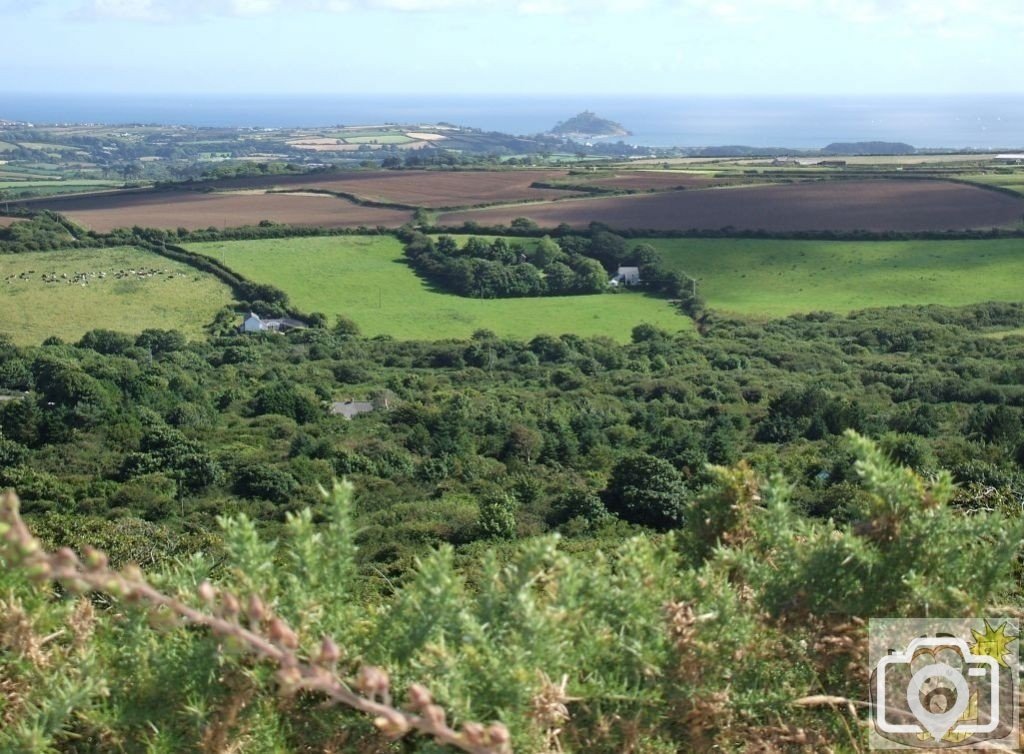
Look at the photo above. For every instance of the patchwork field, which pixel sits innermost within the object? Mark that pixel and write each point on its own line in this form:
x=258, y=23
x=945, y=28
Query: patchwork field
x=67, y=293
x=421, y=188
x=195, y=210
x=776, y=278
x=350, y=139
x=877, y=205
x=366, y=279
x=654, y=180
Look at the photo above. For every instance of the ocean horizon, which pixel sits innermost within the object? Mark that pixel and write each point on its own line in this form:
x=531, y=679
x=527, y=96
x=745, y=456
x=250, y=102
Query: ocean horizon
x=988, y=122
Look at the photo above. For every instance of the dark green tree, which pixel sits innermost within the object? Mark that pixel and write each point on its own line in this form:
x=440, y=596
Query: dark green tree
x=646, y=490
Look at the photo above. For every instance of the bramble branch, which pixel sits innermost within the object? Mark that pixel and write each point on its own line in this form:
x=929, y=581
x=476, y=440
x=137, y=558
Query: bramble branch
x=268, y=637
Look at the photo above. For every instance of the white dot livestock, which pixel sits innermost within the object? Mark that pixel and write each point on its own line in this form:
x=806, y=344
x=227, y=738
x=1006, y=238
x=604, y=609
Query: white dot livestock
x=85, y=278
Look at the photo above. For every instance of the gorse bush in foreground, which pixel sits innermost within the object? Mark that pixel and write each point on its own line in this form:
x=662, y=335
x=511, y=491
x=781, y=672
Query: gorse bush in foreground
x=742, y=630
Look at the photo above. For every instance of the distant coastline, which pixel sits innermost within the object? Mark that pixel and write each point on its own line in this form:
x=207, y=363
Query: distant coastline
x=971, y=122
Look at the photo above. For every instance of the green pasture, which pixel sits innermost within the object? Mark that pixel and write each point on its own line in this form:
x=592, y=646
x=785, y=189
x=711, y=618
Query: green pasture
x=366, y=279
x=776, y=278
x=58, y=189
x=15, y=180
x=52, y=182
x=1013, y=181
x=45, y=168
x=53, y=188
x=20, y=173
x=180, y=298
x=45, y=146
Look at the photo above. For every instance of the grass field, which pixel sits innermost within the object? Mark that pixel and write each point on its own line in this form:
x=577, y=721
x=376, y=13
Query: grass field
x=1013, y=181
x=365, y=278
x=47, y=188
x=35, y=182
x=178, y=298
x=56, y=189
x=776, y=278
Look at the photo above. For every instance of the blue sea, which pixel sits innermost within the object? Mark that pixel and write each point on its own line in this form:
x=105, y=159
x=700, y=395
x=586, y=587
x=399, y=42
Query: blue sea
x=976, y=122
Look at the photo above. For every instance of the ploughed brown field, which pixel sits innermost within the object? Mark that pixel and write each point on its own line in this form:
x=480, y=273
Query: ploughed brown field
x=644, y=180
x=420, y=188
x=877, y=205
x=5, y=221
x=195, y=210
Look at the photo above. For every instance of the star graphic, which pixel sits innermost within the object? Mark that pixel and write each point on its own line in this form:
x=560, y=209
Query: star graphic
x=993, y=643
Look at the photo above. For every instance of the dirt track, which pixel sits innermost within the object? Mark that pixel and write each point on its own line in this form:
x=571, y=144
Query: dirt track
x=879, y=205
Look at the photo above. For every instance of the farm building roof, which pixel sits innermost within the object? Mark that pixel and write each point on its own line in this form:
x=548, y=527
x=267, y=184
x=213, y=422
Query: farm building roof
x=351, y=409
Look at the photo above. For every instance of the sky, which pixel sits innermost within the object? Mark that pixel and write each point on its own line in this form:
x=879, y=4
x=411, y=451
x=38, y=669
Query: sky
x=538, y=47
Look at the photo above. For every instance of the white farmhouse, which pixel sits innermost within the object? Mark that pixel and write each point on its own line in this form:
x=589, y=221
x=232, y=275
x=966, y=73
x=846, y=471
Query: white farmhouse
x=626, y=276
x=252, y=323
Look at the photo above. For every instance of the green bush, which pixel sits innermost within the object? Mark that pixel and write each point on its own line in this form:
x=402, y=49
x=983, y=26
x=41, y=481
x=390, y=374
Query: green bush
x=646, y=490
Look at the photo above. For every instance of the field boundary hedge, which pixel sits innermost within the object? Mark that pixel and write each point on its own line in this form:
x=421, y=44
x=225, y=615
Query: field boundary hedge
x=798, y=235
x=241, y=287
x=357, y=200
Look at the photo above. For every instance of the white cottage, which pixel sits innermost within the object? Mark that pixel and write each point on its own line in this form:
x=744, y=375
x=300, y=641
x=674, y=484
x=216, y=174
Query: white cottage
x=252, y=323
x=626, y=276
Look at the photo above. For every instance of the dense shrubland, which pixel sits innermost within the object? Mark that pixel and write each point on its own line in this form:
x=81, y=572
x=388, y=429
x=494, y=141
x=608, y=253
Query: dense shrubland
x=740, y=630
x=155, y=429
x=521, y=513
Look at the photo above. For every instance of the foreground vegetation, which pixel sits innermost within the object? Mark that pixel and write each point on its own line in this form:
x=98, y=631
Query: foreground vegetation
x=743, y=628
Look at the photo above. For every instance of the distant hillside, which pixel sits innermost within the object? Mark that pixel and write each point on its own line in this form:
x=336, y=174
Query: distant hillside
x=869, y=147
x=588, y=124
